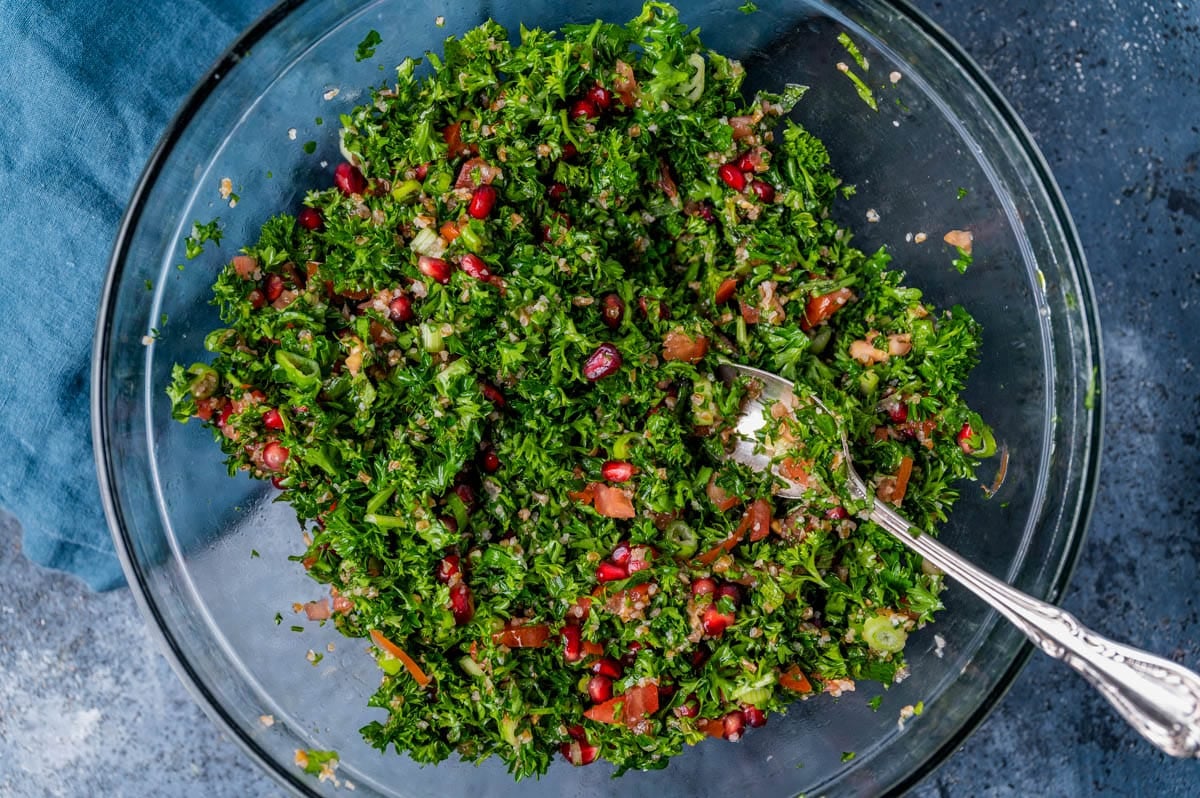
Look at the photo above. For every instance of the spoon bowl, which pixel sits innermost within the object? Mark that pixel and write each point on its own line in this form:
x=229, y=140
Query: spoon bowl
x=1159, y=698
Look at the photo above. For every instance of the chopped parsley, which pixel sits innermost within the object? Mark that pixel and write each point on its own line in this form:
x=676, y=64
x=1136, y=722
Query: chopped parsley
x=852, y=49
x=480, y=368
x=747, y=8
x=201, y=234
x=366, y=48
x=310, y=147
x=963, y=261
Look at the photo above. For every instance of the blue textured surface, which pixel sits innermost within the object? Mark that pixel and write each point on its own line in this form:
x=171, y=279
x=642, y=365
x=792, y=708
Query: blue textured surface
x=1109, y=91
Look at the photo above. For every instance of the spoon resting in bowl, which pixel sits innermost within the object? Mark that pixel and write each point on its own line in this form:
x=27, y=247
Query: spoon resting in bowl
x=1159, y=698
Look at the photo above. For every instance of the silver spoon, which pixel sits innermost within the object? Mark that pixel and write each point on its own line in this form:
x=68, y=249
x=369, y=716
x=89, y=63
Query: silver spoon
x=1160, y=699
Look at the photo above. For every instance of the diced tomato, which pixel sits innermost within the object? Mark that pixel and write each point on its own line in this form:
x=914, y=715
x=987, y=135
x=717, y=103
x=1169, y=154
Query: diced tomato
x=531, y=635
x=717, y=495
x=794, y=679
x=613, y=502
x=607, y=711
x=678, y=345
x=725, y=291
x=758, y=520
x=821, y=307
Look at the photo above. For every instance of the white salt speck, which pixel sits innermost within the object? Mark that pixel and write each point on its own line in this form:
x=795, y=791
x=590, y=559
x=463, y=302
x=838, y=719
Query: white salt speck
x=329, y=95
x=292, y=133
x=895, y=123
x=908, y=237
x=439, y=21
x=939, y=646
x=872, y=215
x=894, y=77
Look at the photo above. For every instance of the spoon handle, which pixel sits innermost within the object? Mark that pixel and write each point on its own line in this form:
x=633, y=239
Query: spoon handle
x=1159, y=698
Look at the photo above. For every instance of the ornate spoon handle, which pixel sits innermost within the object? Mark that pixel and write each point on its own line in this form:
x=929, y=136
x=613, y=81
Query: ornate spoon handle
x=1159, y=698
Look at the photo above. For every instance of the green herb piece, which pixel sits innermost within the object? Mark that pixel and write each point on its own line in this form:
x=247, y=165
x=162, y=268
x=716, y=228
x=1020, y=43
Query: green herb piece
x=278, y=618
x=963, y=261
x=860, y=86
x=315, y=762
x=253, y=553
x=852, y=48
x=149, y=285
x=748, y=7
x=848, y=755
x=961, y=193
x=310, y=147
x=366, y=48
x=875, y=703
x=201, y=234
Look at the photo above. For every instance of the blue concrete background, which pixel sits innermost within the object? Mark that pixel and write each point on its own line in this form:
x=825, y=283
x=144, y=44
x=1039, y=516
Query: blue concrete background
x=1109, y=91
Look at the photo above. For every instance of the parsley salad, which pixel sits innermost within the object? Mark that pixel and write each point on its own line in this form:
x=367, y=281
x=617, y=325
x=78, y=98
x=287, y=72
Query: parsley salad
x=480, y=367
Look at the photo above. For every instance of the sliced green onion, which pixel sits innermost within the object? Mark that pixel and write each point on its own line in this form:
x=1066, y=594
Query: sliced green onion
x=882, y=635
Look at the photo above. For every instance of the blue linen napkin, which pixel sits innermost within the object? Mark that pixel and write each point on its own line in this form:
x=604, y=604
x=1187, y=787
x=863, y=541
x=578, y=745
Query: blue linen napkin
x=89, y=90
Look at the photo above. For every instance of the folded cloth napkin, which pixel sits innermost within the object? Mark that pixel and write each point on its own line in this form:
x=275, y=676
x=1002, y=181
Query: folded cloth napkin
x=90, y=89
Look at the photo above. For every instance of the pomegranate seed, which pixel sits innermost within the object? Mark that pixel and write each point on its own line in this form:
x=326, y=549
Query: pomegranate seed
x=763, y=190
x=310, y=219
x=599, y=688
x=620, y=554
x=744, y=162
x=731, y=592
x=610, y=572
x=703, y=587
x=584, y=109
x=273, y=287
x=617, y=471
x=400, y=309
x=448, y=569
x=898, y=414
x=461, y=603
x=579, y=752
x=639, y=558
x=474, y=266
x=223, y=419
x=699, y=657
x=272, y=419
x=434, y=268
x=716, y=622
x=349, y=179
x=557, y=192
x=256, y=299
x=493, y=395
x=705, y=212
x=607, y=667
x=451, y=523
x=600, y=97
x=482, y=202
x=421, y=171
x=577, y=732
x=732, y=176
x=275, y=456
x=612, y=310
x=490, y=462
x=690, y=707
x=661, y=311
x=630, y=657
x=572, y=643
x=755, y=717
x=569, y=151
x=277, y=483
x=604, y=362
x=734, y=724
x=466, y=494
x=837, y=513
x=964, y=437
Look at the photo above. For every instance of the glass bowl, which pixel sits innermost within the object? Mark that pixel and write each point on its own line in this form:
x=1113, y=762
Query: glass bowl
x=206, y=554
